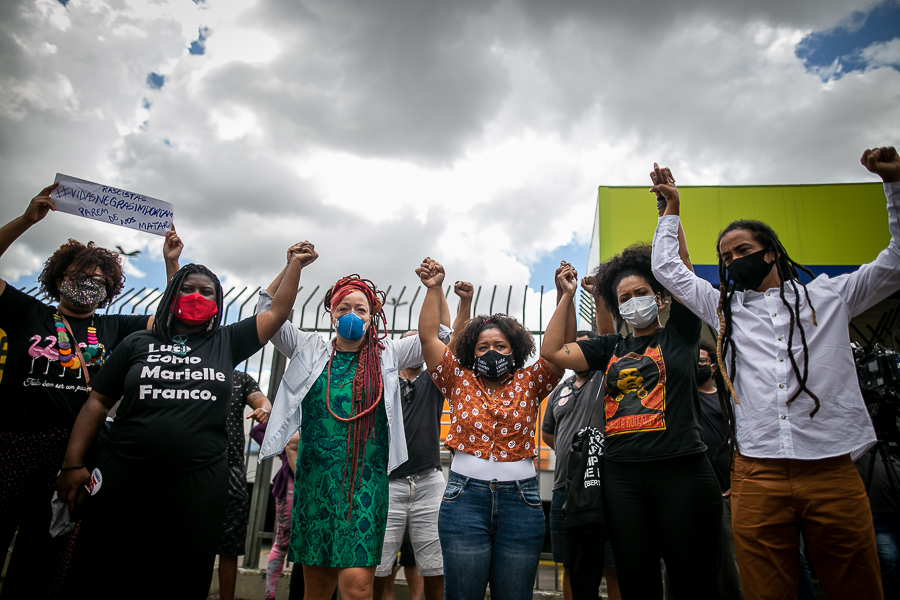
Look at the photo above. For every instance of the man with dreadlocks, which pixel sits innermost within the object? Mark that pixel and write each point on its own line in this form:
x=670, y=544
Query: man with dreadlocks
x=346, y=394
x=796, y=413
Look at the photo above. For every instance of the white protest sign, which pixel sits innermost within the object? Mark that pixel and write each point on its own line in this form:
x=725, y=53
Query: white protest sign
x=112, y=205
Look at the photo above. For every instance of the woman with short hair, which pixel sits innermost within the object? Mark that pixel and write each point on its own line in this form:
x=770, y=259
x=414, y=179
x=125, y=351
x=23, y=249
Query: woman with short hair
x=660, y=495
x=491, y=523
x=43, y=384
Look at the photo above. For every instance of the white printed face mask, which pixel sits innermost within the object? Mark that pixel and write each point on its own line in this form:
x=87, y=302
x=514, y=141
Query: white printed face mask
x=640, y=311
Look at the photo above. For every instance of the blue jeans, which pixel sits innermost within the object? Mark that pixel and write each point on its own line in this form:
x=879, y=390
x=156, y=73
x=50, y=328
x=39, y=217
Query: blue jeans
x=887, y=536
x=557, y=523
x=491, y=531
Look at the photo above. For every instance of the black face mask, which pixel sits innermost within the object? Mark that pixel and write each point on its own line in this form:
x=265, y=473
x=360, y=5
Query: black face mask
x=493, y=365
x=750, y=271
x=704, y=372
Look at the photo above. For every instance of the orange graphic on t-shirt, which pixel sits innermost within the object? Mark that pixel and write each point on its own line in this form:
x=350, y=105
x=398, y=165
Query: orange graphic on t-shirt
x=636, y=393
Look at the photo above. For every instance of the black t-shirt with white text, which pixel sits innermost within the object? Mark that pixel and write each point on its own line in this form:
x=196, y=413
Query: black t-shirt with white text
x=652, y=405
x=422, y=409
x=36, y=391
x=174, y=408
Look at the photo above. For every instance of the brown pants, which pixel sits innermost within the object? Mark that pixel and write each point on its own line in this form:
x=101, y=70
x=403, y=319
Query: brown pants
x=773, y=500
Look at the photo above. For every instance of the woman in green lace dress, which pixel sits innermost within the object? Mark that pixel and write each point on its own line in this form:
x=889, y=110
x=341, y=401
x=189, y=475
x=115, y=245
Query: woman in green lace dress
x=344, y=397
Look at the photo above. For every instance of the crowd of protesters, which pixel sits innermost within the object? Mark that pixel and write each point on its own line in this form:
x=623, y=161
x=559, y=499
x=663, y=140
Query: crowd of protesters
x=706, y=470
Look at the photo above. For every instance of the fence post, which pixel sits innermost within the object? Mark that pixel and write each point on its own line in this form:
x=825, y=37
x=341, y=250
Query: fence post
x=259, y=501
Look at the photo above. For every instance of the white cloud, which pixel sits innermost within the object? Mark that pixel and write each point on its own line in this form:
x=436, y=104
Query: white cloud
x=473, y=132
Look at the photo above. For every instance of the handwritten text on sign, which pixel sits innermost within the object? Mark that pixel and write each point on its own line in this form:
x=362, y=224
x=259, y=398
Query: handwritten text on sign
x=112, y=205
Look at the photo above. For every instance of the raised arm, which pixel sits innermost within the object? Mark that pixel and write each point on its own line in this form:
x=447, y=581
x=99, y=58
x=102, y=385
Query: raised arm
x=670, y=266
x=664, y=188
x=877, y=280
x=37, y=209
x=87, y=425
x=268, y=322
x=556, y=349
x=465, y=291
x=172, y=249
x=432, y=275
x=605, y=322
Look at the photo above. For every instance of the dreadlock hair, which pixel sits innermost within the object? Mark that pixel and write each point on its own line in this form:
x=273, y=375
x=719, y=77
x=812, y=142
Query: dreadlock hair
x=634, y=260
x=788, y=273
x=74, y=257
x=368, y=384
x=162, y=324
x=520, y=340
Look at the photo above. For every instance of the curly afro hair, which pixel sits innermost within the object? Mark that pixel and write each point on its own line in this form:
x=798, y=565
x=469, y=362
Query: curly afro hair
x=634, y=260
x=73, y=257
x=520, y=339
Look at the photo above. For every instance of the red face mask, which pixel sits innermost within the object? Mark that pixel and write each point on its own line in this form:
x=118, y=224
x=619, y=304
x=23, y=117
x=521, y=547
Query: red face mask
x=194, y=309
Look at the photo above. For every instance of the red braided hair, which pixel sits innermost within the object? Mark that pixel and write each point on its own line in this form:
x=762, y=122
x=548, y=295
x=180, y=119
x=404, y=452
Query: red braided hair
x=368, y=385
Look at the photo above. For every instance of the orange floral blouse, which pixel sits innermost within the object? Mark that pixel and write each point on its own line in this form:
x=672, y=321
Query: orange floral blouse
x=506, y=421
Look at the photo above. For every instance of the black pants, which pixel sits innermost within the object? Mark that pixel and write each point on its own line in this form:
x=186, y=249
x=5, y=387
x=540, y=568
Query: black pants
x=668, y=508
x=584, y=557
x=29, y=462
x=149, y=534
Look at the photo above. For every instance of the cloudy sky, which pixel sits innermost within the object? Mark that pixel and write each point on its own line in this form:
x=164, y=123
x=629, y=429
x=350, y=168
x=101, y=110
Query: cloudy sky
x=473, y=131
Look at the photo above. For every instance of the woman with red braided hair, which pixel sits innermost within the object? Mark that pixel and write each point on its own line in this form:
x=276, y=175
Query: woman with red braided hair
x=346, y=394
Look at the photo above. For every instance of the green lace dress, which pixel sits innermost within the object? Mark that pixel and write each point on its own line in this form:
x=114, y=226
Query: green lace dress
x=320, y=532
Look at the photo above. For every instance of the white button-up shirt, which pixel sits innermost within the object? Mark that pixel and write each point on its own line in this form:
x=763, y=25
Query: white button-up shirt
x=309, y=354
x=766, y=425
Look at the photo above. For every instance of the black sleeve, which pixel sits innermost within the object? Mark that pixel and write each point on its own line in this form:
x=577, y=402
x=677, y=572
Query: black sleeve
x=244, y=339
x=127, y=324
x=684, y=322
x=18, y=309
x=549, y=424
x=599, y=350
x=110, y=381
x=248, y=386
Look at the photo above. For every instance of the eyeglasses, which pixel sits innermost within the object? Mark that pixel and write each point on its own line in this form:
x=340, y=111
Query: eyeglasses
x=704, y=361
x=95, y=279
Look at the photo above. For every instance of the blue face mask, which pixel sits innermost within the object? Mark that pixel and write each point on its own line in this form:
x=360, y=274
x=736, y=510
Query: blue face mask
x=350, y=326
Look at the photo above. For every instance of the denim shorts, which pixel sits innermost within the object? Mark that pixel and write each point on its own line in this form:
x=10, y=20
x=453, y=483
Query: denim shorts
x=413, y=505
x=492, y=533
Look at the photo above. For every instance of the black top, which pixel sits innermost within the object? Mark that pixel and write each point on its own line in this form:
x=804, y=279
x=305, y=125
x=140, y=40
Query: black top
x=36, y=391
x=172, y=415
x=244, y=386
x=652, y=404
x=882, y=498
x=715, y=432
x=422, y=405
x=565, y=415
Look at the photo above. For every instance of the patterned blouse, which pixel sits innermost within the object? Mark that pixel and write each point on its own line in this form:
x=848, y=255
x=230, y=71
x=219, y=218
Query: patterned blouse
x=507, y=419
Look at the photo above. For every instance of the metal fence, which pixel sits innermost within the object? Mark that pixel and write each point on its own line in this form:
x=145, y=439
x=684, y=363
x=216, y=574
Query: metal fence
x=268, y=365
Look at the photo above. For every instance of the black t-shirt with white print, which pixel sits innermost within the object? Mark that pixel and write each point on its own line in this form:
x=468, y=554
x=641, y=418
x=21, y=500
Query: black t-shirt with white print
x=36, y=391
x=174, y=408
x=652, y=404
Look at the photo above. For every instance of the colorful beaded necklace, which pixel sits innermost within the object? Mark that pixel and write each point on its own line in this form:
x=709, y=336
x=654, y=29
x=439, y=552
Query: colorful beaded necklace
x=94, y=354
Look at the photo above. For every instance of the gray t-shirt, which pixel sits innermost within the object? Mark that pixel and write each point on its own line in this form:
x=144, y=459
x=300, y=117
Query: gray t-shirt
x=565, y=414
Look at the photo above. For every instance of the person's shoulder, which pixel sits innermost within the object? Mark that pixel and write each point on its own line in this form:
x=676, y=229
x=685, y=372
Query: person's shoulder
x=14, y=298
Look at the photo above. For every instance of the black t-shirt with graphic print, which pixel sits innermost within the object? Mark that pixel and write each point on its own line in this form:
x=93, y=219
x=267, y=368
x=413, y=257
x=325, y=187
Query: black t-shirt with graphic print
x=36, y=391
x=652, y=404
x=244, y=386
x=173, y=410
